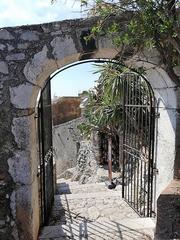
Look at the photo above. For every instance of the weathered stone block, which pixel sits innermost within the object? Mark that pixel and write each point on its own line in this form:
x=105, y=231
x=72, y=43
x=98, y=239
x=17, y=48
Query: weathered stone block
x=16, y=57
x=2, y=46
x=22, y=45
x=34, y=67
x=5, y=34
x=29, y=36
x=20, y=96
x=61, y=43
x=3, y=67
x=19, y=167
x=56, y=33
x=2, y=80
x=10, y=47
x=21, y=132
x=168, y=213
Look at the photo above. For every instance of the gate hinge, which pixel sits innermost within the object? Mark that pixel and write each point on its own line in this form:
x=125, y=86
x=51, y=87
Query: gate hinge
x=155, y=171
x=157, y=115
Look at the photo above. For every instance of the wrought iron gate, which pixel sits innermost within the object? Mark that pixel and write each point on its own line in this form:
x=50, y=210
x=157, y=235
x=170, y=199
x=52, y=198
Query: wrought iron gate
x=138, y=143
x=45, y=152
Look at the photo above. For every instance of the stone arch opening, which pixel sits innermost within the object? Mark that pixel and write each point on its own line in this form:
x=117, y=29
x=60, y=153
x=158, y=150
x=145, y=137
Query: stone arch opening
x=158, y=184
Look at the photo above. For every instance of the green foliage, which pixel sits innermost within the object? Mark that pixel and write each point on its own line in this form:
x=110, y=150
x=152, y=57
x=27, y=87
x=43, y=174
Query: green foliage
x=84, y=2
x=104, y=109
x=148, y=24
x=151, y=24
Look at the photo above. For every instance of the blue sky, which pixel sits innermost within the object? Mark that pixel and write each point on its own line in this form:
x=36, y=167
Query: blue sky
x=74, y=80
x=23, y=12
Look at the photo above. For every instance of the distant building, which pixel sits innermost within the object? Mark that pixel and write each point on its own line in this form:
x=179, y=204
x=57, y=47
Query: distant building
x=65, y=109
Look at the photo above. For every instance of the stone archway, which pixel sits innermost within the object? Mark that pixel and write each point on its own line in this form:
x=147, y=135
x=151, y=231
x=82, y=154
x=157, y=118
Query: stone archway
x=30, y=55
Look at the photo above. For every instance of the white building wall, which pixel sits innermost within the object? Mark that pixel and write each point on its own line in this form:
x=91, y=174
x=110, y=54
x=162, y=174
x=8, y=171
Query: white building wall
x=165, y=127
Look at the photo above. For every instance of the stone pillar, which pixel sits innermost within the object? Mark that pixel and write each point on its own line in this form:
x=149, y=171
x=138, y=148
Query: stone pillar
x=168, y=213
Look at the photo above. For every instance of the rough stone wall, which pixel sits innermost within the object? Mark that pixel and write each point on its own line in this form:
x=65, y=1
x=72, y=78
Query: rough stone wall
x=28, y=56
x=168, y=218
x=86, y=163
x=66, y=142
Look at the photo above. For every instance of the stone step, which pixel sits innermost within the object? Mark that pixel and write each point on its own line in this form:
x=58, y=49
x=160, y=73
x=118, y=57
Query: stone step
x=124, y=229
x=85, y=195
x=72, y=208
x=63, y=180
x=73, y=187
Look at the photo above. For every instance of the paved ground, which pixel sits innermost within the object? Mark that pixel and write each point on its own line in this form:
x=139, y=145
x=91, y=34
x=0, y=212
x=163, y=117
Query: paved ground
x=91, y=211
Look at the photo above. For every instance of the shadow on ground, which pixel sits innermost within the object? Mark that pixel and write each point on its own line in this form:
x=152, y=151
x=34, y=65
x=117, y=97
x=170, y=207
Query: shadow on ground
x=67, y=224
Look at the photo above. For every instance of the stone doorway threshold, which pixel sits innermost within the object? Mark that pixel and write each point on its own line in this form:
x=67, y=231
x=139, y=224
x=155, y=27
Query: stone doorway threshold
x=91, y=211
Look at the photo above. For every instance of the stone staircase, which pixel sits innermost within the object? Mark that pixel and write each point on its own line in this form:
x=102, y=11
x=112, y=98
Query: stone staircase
x=91, y=211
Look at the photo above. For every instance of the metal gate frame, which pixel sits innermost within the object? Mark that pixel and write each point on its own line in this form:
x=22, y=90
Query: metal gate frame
x=138, y=143
x=45, y=153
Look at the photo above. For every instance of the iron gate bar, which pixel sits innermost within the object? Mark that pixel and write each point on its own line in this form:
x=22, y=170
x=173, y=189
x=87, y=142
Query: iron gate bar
x=131, y=105
x=135, y=97
x=40, y=163
x=45, y=148
x=138, y=183
x=124, y=127
x=138, y=143
x=131, y=142
x=151, y=152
